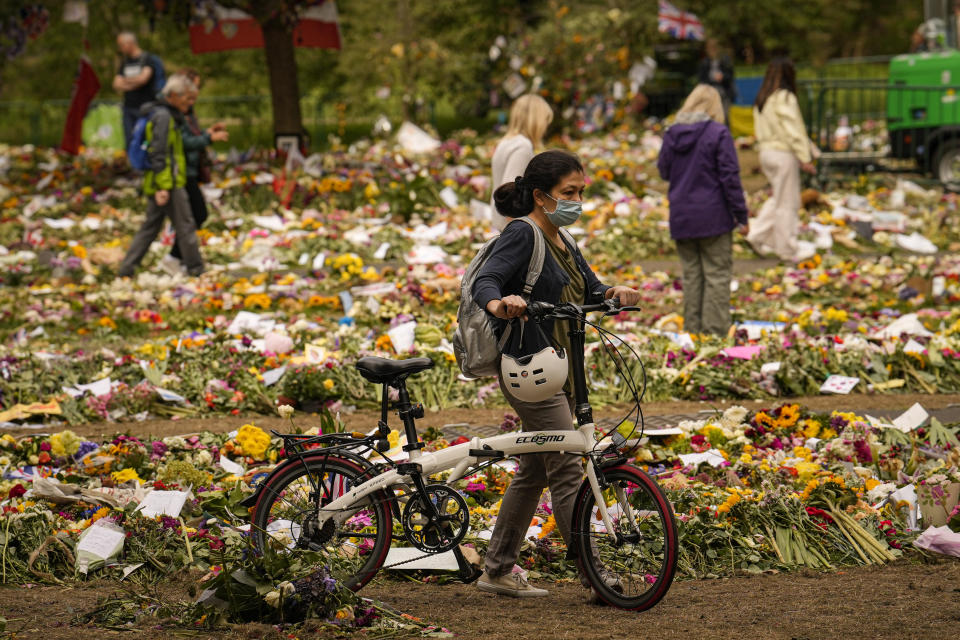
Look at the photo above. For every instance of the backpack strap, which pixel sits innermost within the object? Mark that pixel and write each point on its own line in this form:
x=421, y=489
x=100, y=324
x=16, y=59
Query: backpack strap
x=533, y=274
x=566, y=235
x=536, y=258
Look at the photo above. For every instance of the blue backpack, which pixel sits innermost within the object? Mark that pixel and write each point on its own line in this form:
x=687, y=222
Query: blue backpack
x=137, y=151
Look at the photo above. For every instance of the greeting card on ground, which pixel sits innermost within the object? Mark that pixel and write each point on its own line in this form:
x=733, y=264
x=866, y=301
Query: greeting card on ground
x=839, y=384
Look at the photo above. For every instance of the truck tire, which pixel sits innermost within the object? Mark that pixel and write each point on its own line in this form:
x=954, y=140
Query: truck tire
x=946, y=161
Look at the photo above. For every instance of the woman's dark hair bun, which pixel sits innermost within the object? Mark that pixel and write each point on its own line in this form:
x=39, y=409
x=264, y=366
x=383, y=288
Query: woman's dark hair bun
x=544, y=172
x=513, y=201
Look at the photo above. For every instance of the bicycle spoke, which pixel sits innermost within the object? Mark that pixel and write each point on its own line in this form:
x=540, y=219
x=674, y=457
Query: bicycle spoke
x=634, y=563
x=350, y=542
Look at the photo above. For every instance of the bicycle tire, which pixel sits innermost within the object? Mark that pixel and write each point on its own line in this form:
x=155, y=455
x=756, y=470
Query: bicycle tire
x=286, y=499
x=634, y=571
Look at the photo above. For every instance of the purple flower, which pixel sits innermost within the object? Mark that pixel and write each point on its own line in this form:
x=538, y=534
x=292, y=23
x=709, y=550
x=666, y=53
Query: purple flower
x=862, y=449
x=85, y=447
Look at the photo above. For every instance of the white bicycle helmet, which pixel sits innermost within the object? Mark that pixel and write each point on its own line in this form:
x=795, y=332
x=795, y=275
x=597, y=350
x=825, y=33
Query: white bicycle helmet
x=535, y=377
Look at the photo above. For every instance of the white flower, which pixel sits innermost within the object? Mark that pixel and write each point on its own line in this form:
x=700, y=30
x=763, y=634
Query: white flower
x=203, y=458
x=880, y=492
x=272, y=599
x=733, y=417
x=285, y=410
x=284, y=589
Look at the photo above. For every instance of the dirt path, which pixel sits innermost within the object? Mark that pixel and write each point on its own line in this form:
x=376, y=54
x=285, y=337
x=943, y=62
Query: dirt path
x=901, y=601
x=479, y=420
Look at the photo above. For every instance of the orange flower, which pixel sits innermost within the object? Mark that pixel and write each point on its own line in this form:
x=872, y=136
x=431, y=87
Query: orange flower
x=384, y=343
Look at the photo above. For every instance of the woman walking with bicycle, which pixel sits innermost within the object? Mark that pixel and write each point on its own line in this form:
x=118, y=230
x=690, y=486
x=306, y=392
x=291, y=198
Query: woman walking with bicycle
x=550, y=194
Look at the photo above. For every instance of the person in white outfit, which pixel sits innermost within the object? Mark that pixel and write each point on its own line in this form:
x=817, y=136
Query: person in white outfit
x=530, y=116
x=784, y=148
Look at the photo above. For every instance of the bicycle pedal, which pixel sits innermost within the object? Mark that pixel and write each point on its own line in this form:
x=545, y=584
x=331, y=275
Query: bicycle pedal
x=470, y=576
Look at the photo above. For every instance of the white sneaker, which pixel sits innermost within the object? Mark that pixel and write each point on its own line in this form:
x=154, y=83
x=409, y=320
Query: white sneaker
x=171, y=265
x=512, y=584
x=805, y=251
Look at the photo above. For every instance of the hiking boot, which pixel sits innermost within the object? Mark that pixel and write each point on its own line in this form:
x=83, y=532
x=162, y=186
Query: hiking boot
x=512, y=584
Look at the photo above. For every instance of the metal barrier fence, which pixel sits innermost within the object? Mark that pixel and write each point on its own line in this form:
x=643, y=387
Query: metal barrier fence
x=870, y=124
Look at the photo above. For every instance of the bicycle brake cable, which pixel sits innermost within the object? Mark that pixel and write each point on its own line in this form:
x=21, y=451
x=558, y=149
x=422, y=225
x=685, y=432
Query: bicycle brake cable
x=626, y=374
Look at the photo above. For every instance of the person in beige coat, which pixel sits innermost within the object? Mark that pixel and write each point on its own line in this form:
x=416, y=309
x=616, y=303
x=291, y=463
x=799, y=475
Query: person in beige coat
x=785, y=149
x=530, y=116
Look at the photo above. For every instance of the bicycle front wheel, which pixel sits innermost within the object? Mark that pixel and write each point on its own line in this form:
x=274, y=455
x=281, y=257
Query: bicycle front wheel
x=633, y=566
x=352, y=545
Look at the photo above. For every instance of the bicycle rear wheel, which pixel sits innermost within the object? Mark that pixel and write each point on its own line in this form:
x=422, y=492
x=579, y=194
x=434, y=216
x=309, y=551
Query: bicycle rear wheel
x=285, y=519
x=632, y=569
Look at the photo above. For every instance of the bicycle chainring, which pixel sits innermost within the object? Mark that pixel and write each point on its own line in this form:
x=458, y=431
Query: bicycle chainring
x=438, y=529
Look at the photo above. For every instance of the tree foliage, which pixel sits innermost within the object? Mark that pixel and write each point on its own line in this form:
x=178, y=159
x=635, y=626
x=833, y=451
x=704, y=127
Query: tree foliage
x=401, y=56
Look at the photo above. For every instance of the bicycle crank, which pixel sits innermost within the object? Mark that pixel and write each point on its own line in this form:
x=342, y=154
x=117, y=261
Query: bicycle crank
x=437, y=523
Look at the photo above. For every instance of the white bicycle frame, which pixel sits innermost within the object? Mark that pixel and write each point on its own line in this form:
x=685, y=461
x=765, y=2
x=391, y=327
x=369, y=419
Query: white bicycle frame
x=458, y=459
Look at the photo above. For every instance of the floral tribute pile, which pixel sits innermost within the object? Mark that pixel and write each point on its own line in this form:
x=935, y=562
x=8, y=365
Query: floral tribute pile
x=773, y=490
x=360, y=251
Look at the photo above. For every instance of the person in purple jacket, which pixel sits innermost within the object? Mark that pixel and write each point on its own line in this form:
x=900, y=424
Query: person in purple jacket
x=699, y=161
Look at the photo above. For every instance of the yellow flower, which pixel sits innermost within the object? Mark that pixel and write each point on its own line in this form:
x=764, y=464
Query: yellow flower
x=254, y=441
x=79, y=251
x=811, y=428
x=806, y=470
x=548, y=527
x=65, y=443
x=124, y=476
x=328, y=384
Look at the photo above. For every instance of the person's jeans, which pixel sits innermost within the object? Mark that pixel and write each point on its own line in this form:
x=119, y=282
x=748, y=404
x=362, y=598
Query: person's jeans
x=178, y=210
x=707, y=269
x=563, y=473
x=130, y=116
x=198, y=208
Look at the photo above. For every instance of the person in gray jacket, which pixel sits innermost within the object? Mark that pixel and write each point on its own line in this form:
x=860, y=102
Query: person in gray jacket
x=165, y=180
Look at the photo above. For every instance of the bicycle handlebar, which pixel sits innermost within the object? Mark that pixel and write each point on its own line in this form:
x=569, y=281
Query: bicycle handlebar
x=541, y=310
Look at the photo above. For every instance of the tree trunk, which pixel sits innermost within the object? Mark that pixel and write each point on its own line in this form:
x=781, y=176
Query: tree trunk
x=282, y=69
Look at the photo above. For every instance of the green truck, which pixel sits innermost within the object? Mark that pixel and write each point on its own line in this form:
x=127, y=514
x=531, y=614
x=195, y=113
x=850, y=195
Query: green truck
x=908, y=121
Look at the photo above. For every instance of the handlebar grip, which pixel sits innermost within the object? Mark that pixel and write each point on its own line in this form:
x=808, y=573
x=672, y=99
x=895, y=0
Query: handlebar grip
x=538, y=308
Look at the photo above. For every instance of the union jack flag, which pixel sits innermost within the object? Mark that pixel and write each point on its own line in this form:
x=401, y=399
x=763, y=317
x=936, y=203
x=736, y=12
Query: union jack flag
x=680, y=24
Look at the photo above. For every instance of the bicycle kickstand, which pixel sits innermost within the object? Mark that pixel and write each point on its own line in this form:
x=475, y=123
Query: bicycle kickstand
x=467, y=572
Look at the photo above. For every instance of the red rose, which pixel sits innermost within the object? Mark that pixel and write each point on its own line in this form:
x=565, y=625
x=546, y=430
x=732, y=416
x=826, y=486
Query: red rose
x=16, y=491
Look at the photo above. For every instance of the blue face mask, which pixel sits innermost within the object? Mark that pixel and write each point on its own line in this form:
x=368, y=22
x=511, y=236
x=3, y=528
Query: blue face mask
x=566, y=212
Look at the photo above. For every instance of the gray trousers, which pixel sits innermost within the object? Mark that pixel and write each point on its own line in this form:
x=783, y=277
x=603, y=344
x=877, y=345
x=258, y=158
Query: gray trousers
x=561, y=472
x=178, y=210
x=707, y=270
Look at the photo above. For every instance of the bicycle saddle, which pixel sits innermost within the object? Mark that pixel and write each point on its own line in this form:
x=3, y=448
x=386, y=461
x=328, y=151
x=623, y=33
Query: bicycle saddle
x=383, y=370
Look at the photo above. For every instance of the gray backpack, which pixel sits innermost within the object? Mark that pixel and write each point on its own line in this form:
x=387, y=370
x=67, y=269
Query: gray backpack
x=475, y=344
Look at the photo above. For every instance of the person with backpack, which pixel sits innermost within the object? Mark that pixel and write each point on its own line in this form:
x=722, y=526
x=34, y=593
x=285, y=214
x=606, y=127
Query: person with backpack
x=195, y=143
x=550, y=196
x=140, y=77
x=699, y=161
x=165, y=178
